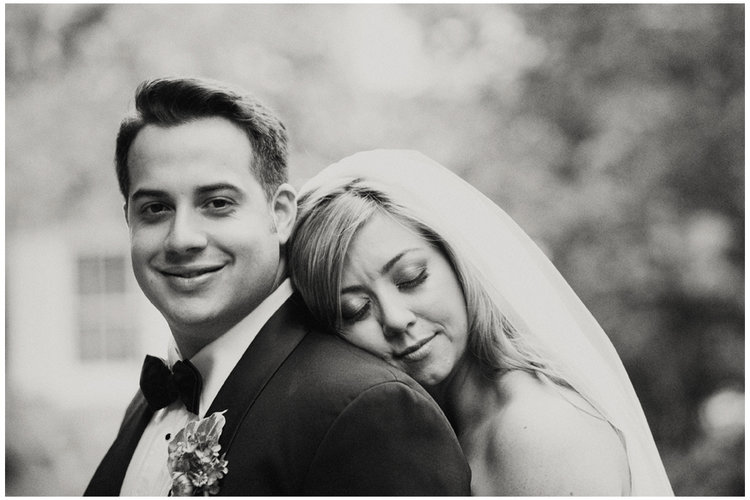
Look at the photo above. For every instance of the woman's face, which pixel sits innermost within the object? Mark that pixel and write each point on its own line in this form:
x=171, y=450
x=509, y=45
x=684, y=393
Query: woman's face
x=401, y=300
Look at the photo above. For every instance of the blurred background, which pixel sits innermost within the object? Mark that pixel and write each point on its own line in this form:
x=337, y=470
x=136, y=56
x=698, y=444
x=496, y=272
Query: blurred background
x=614, y=134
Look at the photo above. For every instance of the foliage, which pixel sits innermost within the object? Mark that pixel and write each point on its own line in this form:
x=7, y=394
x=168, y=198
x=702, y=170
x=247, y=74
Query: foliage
x=614, y=134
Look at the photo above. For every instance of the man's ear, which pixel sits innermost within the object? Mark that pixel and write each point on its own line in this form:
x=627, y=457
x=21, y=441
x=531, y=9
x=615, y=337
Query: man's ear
x=284, y=205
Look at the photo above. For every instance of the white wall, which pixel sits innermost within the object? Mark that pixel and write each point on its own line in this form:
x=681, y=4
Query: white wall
x=42, y=360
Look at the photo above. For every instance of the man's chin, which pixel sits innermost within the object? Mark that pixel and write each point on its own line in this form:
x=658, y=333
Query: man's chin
x=191, y=319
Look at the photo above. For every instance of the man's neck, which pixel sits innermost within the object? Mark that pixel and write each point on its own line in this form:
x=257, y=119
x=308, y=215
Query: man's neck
x=191, y=341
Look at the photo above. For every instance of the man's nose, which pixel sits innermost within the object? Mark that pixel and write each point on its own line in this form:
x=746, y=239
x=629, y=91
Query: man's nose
x=186, y=233
x=396, y=315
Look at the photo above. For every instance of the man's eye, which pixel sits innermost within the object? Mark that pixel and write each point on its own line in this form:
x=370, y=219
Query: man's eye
x=219, y=204
x=154, y=209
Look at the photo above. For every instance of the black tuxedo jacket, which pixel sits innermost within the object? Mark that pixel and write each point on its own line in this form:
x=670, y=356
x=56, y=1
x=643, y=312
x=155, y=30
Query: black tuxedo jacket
x=309, y=414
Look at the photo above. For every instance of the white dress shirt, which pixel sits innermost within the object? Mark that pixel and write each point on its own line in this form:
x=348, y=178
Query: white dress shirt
x=147, y=474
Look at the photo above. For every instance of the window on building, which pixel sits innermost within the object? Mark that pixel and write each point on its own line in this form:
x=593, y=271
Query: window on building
x=105, y=318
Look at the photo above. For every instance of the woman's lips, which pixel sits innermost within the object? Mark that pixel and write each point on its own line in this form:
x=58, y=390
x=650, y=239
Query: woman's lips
x=418, y=351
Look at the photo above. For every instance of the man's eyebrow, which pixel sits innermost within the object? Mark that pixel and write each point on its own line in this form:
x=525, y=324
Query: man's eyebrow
x=147, y=193
x=383, y=270
x=219, y=186
x=202, y=190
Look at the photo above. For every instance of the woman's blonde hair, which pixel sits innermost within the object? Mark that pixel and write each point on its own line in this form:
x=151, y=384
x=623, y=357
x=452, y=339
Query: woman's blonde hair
x=330, y=217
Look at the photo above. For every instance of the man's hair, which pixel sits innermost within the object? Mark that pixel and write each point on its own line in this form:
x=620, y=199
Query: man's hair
x=174, y=101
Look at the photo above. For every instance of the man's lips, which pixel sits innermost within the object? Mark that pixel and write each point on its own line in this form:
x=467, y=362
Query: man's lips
x=415, y=347
x=188, y=272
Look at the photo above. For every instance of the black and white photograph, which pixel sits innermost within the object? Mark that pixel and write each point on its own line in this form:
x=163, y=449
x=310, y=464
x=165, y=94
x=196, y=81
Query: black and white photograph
x=348, y=249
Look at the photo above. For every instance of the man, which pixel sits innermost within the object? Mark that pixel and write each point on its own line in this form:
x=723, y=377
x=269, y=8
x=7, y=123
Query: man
x=203, y=172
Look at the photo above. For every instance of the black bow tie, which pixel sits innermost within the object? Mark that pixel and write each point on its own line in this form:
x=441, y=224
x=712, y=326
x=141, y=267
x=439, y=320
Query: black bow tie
x=163, y=387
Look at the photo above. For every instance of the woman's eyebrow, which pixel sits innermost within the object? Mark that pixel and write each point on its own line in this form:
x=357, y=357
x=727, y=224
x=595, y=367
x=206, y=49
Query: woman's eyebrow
x=388, y=265
x=383, y=270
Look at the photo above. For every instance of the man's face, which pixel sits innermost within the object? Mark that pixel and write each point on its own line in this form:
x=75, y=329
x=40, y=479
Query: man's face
x=204, y=240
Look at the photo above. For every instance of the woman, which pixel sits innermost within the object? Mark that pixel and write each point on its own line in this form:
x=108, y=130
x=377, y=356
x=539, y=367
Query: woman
x=404, y=259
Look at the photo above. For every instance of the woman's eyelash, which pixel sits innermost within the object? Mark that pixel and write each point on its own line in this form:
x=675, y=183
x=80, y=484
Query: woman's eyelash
x=361, y=312
x=356, y=315
x=413, y=282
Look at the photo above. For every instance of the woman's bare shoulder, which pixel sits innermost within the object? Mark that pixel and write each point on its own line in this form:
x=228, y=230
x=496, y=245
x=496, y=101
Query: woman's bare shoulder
x=547, y=441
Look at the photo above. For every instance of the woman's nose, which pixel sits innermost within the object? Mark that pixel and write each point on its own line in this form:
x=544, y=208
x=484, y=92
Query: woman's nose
x=396, y=315
x=185, y=234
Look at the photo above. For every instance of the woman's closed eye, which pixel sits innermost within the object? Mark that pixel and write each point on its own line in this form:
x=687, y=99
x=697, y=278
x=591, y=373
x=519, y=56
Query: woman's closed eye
x=411, y=278
x=353, y=311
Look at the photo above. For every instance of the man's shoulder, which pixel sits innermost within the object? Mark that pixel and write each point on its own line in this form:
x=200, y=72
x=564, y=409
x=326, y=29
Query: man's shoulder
x=334, y=358
x=329, y=356
x=325, y=367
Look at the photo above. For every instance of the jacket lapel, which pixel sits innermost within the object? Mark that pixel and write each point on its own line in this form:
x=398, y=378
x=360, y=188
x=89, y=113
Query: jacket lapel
x=108, y=478
x=273, y=344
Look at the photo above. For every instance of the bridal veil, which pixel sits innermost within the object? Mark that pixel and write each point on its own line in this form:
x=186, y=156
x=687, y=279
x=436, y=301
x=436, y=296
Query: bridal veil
x=523, y=284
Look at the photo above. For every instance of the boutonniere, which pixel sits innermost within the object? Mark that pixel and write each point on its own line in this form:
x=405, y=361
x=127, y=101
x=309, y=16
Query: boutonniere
x=194, y=462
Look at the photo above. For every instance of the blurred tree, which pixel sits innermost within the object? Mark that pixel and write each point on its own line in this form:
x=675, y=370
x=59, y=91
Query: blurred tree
x=651, y=103
x=614, y=134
